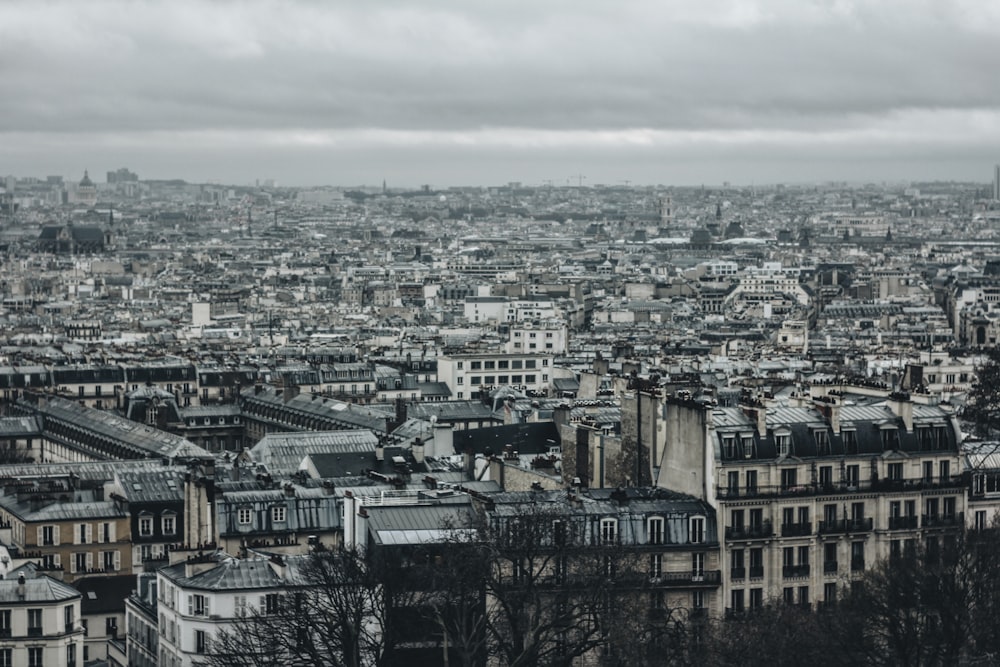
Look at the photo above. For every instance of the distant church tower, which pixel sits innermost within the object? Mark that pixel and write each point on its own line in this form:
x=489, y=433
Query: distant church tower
x=666, y=211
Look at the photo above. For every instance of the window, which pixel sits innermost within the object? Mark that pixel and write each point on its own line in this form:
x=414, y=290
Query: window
x=895, y=471
x=944, y=471
x=822, y=442
x=145, y=526
x=36, y=656
x=476, y=365
x=789, y=477
x=529, y=379
x=49, y=535
x=490, y=380
x=826, y=476
x=111, y=626
x=490, y=365
x=200, y=642
x=733, y=483
x=756, y=598
x=197, y=605
x=850, y=438
x=244, y=516
x=728, y=447
x=80, y=562
x=697, y=565
x=655, y=566
x=737, y=566
x=654, y=531
x=278, y=514
x=476, y=379
x=857, y=556
x=890, y=438
x=736, y=601
x=107, y=532
x=696, y=530
x=748, y=448
x=168, y=524
x=34, y=622
x=5, y=628
x=461, y=365
x=6, y=657
x=852, y=476
x=530, y=363
x=84, y=533
x=783, y=443
x=609, y=531
x=270, y=603
x=698, y=600
x=111, y=561
x=751, y=481
x=756, y=563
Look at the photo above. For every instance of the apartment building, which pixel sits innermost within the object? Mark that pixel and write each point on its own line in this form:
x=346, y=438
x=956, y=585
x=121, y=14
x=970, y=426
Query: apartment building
x=474, y=374
x=66, y=528
x=39, y=621
x=811, y=495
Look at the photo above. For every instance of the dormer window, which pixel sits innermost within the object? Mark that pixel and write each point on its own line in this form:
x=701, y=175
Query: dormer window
x=783, y=443
x=850, y=438
x=729, y=447
x=890, y=438
x=748, y=447
x=822, y=439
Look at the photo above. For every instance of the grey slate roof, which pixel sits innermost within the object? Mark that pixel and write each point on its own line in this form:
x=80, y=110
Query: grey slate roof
x=40, y=589
x=282, y=453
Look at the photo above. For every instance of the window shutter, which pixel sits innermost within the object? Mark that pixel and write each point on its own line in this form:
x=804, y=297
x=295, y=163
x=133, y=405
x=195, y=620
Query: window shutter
x=56, y=560
x=40, y=538
x=90, y=533
x=118, y=560
x=90, y=561
x=207, y=610
x=55, y=535
x=113, y=529
x=190, y=605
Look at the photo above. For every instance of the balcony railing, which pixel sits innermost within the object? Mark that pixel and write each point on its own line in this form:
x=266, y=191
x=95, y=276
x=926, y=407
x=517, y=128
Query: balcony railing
x=738, y=573
x=842, y=487
x=34, y=632
x=857, y=564
x=757, y=572
x=861, y=525
x=796, y=529
x=830, y=567
x=708, y=577
x=751, y=532
x=902, y=522
x=792, y=571
x=942, y=520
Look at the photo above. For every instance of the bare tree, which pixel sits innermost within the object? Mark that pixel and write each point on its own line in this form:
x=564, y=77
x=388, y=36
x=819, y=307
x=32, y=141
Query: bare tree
x=333, y=613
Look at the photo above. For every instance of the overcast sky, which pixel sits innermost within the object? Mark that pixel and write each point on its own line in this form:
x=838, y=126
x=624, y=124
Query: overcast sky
x=466, y=92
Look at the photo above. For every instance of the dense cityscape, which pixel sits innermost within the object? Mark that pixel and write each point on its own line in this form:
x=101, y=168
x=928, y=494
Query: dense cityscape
x=512, y=425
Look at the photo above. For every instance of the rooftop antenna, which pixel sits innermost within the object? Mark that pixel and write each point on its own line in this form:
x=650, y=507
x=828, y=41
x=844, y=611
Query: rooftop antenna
x=579, y=180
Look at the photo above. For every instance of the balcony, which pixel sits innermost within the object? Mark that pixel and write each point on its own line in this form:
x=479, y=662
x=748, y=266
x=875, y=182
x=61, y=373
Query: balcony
x=757, y=572
x=829, y=567
x=34, y=632
x=861, y=525
x=841, y=487
x=5, y=633
x=738, y=573
x=793, y=571
x=752, y=532
x=681, y=579
x=902, y=522
x=942, y=520
x=796, y=529
x=857, y=564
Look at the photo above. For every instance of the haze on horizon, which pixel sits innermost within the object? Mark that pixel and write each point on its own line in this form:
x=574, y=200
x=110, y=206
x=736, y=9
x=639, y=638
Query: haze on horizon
x=453, y=93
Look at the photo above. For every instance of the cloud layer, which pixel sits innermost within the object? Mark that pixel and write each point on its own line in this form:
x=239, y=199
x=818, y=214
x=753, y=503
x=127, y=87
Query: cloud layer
x=298, y=90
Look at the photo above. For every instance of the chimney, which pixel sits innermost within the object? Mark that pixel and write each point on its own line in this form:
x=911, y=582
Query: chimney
x=560, y=415
x=444, y=440
x=380, y=451
x=418, y=450
x=902, y=407
x=20, y=585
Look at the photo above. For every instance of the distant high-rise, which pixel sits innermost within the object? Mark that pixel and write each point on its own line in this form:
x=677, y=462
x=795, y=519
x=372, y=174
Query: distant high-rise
x=996, y=182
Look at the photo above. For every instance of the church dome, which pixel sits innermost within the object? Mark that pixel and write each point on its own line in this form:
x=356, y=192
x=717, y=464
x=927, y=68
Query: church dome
x=86, y=182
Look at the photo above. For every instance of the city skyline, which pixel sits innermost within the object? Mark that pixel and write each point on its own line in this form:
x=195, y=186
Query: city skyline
x=746, y=92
